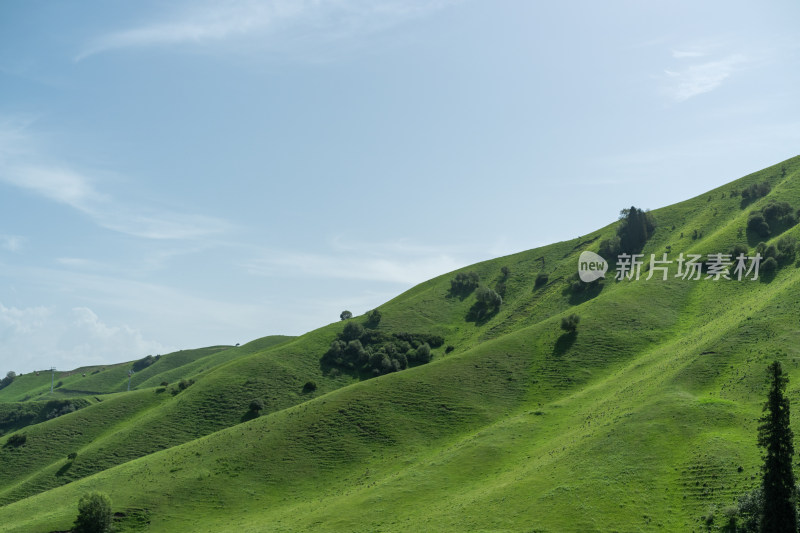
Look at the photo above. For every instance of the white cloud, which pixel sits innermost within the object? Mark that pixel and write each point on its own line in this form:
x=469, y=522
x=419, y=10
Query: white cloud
x=700, y=78
x=35, y=338
x=201, y=23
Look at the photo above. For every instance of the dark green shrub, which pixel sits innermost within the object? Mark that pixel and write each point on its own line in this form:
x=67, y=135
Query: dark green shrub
x=769, y=266
x=774, y=217
x=345, y=315
x=309, y=386
x=464, y=283
x=505, y=271
x=570, y=323
x=94, y=514
x=352, y=331
x=164, y=383
x=6, y=381
x=72, y=456
x=257, y=405
x=488, y=297
x=757, y=224
x=500, y=288
x=373, y=318
x=449, y=348
x=787, y=249
x=184, y=384
x=17, y=440
x=62, y=409
x=610, y=248
x=756, y=190
x=737, y=250
x=433, y=340
x=542, y=278
x=422, y=354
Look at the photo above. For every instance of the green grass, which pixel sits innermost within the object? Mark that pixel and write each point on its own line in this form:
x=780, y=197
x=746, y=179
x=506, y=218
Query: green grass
x=643, y=421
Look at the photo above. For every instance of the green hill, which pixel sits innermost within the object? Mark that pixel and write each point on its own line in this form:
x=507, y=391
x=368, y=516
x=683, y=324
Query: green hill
x=644, y=419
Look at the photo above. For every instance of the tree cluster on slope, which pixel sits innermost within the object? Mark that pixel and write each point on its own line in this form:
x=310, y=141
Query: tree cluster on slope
x=756, y=190
x=777, y=255
x=635, y=228
x=772, y=218
x=464, y=283
x=373, y=352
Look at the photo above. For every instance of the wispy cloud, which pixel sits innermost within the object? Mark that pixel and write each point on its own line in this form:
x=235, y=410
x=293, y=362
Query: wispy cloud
x=700, y=78
x=199, y=23
x=398, y=262
x=64, y=185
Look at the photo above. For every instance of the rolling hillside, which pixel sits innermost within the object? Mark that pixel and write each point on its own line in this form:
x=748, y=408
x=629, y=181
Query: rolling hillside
x=643, y=420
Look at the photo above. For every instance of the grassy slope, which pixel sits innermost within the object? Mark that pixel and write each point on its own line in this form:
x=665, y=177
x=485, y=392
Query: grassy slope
x=640, y=423
x=138, y=430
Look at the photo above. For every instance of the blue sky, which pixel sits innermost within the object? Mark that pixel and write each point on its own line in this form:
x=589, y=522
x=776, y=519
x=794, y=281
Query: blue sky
x=186, y=173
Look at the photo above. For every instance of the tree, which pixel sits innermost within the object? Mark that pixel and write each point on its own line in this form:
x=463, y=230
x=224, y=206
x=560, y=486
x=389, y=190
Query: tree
x=373, y=318
x=6, y=381
x=346, y=315
x=352, y=331
x=769, y=266
x=776, y=437
x=257, y=405
x=756, y=190
x=94, y=513
x=489, y=298
x=464, y=283
x=757, y=224
x=423, y=353
x=570, y=323
x=635, y=229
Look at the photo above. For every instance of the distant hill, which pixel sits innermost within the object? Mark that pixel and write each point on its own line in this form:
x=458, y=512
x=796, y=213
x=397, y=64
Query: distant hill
x=643, y=419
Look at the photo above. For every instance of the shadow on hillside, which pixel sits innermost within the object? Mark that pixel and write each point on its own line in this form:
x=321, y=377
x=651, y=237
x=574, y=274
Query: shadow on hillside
x=249, y=415
x=565, y=342
x=64, y=469
x=461, y=294
x=480, y=313
x=579, y=292
x=767, y=277
x=747, y=201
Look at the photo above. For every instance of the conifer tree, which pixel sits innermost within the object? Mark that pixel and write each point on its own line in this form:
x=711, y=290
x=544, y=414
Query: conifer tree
x=775, y=436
